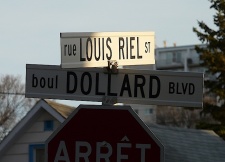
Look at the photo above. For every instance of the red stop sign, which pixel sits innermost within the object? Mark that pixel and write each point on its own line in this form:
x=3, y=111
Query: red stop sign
x=103, y=134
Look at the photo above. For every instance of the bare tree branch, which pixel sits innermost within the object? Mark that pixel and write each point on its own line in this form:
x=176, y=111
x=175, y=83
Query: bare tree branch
x=12, y=106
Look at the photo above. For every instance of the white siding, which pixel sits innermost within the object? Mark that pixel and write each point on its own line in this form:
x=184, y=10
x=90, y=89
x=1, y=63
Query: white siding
x=142, y=111
x=18, y=149
x=35, y=134
x=36, y=137
x=15, y=158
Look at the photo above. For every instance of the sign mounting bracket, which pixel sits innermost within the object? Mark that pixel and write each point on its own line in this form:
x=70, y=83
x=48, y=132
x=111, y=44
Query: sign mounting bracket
x=109, y=100
x=112, y=67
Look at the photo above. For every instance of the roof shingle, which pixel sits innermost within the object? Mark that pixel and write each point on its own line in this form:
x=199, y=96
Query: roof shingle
x=64, y=110
x=190, y=145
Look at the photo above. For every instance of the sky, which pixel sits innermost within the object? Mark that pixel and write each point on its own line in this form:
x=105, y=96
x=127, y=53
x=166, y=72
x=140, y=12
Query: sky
x=30, y=30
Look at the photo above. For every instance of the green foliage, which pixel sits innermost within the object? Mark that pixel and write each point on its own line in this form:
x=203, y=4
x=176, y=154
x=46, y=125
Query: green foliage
x=217, y=112
x=213, y=57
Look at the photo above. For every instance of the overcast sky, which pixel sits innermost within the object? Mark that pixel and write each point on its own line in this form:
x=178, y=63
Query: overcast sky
x=30, y=30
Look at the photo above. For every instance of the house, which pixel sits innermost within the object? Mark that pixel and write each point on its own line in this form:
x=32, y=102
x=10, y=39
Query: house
x=25, y=142
x=178, y=58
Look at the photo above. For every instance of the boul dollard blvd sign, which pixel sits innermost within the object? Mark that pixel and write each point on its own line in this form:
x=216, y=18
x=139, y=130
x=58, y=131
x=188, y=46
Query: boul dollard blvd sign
x=128, y=86
x=95, y=49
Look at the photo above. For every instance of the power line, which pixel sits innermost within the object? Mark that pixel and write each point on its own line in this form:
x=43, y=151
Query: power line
x=12, y=93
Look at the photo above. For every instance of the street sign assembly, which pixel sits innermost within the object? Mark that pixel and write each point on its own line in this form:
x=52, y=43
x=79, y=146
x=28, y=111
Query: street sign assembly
x=127, y=86
x=103, y=133
x=96, y=49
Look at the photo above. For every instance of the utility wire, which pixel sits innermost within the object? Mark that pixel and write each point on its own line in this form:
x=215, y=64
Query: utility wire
x=12, y=93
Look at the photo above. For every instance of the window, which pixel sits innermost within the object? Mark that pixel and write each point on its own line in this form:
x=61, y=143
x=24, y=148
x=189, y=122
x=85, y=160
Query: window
x=176, y=57
x=48, y=125
x=36, y=153
x=148, y=111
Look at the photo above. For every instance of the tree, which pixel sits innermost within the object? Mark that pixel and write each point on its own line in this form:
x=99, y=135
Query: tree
x=13, y=104
x=213, y=57
x=177, y=116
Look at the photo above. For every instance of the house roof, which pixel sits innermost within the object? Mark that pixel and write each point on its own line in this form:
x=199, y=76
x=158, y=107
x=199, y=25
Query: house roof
x=188, y=145
x=62, y=109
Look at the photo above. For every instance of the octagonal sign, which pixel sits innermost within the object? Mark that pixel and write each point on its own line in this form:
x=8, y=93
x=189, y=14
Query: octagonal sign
x=94, y=133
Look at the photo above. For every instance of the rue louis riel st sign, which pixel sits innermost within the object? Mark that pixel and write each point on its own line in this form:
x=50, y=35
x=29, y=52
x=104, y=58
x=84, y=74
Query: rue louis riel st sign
x=128, y=86
x=95, y=49
x=103, y=133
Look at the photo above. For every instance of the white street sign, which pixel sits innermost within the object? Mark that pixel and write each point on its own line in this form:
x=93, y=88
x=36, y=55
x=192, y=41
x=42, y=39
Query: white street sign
x=95, y=49
x=128, y=86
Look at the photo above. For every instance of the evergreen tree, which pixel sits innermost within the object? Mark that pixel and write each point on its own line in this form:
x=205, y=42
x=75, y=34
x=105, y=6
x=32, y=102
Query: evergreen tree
x=213, y=58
